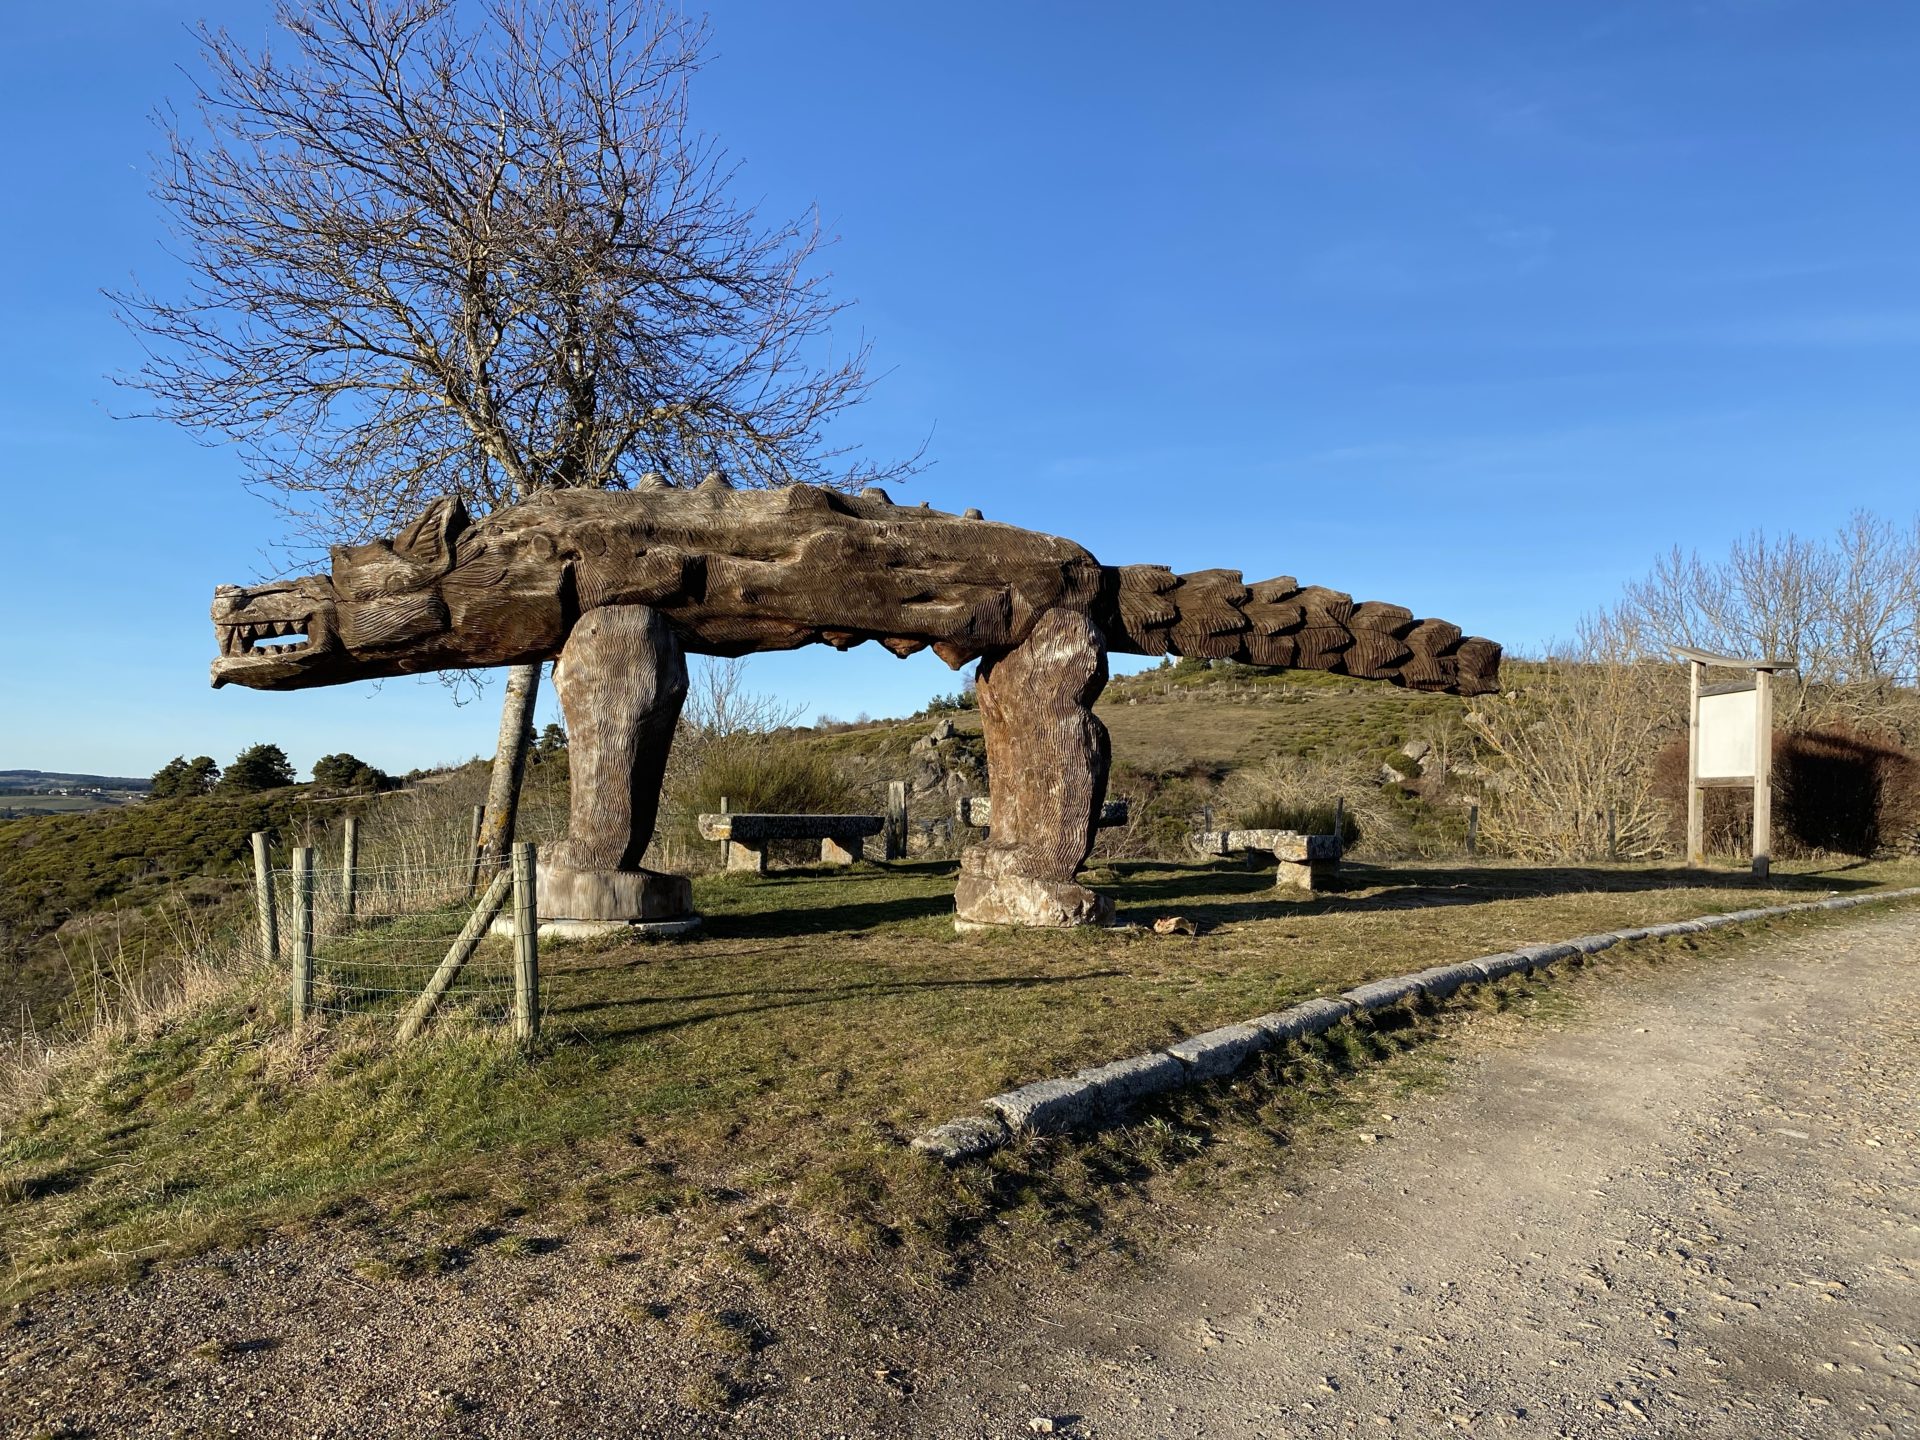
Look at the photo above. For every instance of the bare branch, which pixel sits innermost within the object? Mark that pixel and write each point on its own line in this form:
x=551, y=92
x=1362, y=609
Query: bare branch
x=430, y=254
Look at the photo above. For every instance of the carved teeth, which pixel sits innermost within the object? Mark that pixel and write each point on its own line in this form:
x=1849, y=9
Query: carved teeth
x=250, y=638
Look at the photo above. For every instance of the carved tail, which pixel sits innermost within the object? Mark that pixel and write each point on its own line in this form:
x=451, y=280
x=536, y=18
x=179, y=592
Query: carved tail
x=1149, y=610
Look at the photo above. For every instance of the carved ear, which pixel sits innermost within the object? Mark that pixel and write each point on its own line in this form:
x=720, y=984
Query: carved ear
x=428, y=542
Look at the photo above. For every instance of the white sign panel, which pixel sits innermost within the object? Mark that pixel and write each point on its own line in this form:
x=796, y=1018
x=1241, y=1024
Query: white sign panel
x=1729, y=722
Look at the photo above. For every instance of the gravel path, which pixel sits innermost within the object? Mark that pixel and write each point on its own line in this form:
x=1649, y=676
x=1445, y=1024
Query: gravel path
x=1692, y=1210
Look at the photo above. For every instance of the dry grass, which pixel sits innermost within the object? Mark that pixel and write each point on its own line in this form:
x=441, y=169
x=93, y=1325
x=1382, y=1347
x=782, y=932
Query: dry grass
x=776, y=1063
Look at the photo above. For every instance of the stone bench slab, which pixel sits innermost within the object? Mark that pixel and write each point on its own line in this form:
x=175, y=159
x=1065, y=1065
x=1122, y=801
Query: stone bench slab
x=1288, y=845
x=753, y=829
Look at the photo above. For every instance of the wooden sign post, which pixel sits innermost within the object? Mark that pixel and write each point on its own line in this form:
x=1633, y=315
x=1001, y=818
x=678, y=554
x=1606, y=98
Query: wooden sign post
x=1730, y=744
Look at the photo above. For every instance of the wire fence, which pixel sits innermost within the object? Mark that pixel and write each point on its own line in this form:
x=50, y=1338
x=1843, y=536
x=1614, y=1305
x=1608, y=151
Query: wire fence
x=406, y=941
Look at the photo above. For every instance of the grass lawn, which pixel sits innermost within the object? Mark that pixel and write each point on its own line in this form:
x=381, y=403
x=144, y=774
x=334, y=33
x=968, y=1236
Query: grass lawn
x=775, y=1062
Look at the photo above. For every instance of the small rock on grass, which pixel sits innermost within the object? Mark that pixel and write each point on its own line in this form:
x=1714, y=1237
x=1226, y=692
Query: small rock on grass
x=962, y=1139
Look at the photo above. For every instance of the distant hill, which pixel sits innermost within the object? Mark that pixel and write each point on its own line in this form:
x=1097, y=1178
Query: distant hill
x=39, y=782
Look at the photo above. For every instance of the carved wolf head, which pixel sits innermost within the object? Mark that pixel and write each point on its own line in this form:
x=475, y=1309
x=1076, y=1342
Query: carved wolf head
x=382, y=612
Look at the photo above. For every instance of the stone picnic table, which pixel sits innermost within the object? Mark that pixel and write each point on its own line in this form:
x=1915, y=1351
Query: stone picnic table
x=842, y=837
x=1306, y=862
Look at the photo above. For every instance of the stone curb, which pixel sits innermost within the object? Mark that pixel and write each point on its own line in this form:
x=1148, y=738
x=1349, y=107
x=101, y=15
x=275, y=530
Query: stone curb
x=1050, y=1107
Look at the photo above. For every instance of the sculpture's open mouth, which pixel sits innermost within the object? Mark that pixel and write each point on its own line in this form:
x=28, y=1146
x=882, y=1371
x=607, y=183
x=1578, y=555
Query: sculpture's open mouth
x=272, y=637
x=275, y=637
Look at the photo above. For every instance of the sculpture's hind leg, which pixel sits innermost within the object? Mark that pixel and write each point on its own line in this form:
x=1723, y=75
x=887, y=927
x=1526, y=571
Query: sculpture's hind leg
x=1047, y=762
x=622, y=678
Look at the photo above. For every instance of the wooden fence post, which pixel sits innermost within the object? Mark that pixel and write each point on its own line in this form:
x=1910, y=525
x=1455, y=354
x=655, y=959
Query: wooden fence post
x=302, y=931
x=1613, y=833
x=1763, y=773
x=1473, y=828
x=526, y=944
x=263, y=899
x=1696, y=801
x=726, y=846
x=349, y=867
x=473, y=850
x=896, y=820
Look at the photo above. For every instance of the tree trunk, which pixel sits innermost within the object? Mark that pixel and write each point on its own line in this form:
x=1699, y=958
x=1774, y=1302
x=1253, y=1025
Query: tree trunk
x=509, y=764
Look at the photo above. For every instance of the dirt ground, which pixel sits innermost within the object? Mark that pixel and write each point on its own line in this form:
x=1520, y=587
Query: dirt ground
x=1690, y=1208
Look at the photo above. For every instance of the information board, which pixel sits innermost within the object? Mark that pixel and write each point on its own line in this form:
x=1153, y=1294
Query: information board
x=1729, y=723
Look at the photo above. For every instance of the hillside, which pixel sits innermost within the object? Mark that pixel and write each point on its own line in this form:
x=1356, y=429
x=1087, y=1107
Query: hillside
x=33, y=781
x=106, y=891
x=50, y=792
x=1190, y=739
x=79, y=891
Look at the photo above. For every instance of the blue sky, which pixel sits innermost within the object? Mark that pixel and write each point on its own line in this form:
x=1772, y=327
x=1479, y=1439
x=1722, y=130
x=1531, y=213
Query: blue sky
x=1470, y=307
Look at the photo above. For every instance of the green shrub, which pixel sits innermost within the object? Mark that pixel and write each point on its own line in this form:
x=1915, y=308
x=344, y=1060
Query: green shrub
x=772, y=777
x=183, y=777
x=1401, y=763
x=258, y=767
x=349, y=772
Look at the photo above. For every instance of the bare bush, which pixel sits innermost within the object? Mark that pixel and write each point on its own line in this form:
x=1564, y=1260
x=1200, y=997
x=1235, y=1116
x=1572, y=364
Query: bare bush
x=1569, y=754
x=1298, y=793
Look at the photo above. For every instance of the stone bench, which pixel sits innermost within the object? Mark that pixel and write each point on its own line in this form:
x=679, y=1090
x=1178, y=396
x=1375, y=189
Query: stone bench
x=978, y=810
x=1307, y=862
x=842, y=837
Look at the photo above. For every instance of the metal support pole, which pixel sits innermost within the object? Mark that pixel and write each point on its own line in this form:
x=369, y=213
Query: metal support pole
x=1473, y=828
x=526, y=945
x=263, y=900
x=1340, y=821
x=302, y=932
x=1696, y=806
x=349, y=867
x=1613, y=833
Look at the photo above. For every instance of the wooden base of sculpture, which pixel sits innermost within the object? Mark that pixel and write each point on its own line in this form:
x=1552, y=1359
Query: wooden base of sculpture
x=1048, y=756
x=622, y=679
x=566, y=893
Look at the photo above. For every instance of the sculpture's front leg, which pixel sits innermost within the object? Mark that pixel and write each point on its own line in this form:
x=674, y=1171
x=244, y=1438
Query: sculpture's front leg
x=1047, y=762
x=622, y=678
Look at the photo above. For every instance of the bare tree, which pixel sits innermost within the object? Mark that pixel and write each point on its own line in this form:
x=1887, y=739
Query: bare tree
x=1845, y=611
x=437, y=247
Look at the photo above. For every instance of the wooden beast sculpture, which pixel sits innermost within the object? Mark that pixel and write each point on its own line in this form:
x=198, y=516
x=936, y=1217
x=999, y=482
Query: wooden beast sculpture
x=620, y=586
